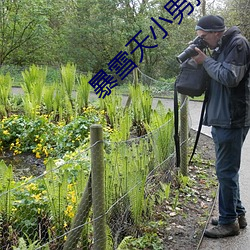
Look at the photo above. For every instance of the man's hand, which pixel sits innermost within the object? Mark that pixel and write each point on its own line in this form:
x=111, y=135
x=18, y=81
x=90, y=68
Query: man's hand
x=200, y=58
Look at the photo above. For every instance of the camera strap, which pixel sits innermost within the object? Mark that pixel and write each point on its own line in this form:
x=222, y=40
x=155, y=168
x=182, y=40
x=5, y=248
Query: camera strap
x=199, y=127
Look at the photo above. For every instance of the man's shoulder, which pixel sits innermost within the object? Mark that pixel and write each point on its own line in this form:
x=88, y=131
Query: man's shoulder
x=233, y=37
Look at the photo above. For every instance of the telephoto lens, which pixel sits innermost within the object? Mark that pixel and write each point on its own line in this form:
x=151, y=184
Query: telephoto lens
x=190, y=50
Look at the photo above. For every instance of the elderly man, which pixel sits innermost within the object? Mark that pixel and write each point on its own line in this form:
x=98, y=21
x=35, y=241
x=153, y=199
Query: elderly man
x=228, y=112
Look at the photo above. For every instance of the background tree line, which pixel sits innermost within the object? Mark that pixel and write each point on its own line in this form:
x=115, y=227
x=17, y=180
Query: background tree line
x=90, y=33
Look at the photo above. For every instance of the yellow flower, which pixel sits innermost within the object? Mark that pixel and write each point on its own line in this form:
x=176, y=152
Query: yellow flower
x=37, y=196
x=31, y=187
x=38, y=156
x=6, y=132
x=16, y=152
x=45, y=151
x=73, y=199
x=103, y=112
x=69, y=211
x=14, y=209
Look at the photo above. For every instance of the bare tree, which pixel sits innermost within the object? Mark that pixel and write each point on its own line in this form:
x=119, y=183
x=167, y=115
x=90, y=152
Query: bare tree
x=20, y=21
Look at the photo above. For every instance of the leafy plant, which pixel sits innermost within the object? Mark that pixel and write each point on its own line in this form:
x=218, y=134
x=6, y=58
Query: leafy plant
x=45, y=138
x=68, y=74
x=22, y=245
x=164, y=191
x=161, y=126
x=126, y=173
x=176, y=199
x=6, y=184
x=30, y=208
x=184, y=181
x=141, y=104
x=147, y=241
x=34, y=81
x=83, y=91
x=112, y=105
x=5, y=90
x=48, y=98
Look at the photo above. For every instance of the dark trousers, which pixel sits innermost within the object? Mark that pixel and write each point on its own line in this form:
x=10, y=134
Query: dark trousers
x=228, y=145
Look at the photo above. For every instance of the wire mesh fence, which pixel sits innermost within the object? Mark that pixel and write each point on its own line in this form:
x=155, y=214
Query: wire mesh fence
x=46, y=210
x=56, y=209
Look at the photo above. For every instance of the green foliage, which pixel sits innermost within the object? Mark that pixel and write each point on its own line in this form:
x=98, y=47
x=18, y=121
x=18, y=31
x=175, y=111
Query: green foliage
x=5, y=90
x=68, y=74
x=43, y=137
x=83, y=91
x=141, y=103
x=122, y=129
x=30, y=206
x=164, y=191
x=163, y=122
x=112, y=105
x=6, y=184
x=48, y=98
x=33, y=85
x=23, y=28
x=43, y=32
x=126, y=172
x=176, y=199
x=63, y=103
x=184, y=181
x=29, y=245
x=57, y=188
x=127, y=160
x=147, y=241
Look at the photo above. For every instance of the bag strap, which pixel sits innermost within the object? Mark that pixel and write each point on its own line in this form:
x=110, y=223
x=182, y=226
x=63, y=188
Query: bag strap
x=176, y=126
x=199, y=127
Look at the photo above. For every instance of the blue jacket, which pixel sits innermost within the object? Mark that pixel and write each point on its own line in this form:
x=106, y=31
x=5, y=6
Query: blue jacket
x=228, y=103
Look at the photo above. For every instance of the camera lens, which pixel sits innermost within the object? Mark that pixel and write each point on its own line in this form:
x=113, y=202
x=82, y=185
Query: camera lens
x=187, y=53
x=190, y=51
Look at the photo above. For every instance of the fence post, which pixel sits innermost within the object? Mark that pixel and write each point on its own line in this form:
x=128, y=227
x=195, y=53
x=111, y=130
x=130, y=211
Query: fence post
x=184, y=135
x=98, y=195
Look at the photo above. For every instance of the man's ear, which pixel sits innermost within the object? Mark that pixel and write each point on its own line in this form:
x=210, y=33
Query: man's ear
x=219, y=34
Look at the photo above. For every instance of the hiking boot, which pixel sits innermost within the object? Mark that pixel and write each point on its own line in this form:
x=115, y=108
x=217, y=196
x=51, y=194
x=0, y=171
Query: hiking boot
x=241, y=219
x=221, y=230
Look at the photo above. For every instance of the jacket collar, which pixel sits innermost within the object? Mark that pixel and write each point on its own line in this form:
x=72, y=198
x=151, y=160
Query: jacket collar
x=231, y=32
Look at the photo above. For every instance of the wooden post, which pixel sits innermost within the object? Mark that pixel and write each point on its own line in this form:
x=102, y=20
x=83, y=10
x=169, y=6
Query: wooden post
x=98, y=195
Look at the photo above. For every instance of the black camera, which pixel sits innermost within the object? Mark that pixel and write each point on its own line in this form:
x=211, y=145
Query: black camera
x=190, y=51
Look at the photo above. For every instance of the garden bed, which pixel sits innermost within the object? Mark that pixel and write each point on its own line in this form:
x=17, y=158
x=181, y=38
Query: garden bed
x=178, y=222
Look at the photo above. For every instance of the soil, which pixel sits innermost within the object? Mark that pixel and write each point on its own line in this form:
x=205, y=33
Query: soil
x=25, y=164
x=186, y=223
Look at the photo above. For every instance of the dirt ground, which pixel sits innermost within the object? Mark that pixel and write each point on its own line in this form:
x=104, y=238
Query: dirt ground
x=196, y=201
